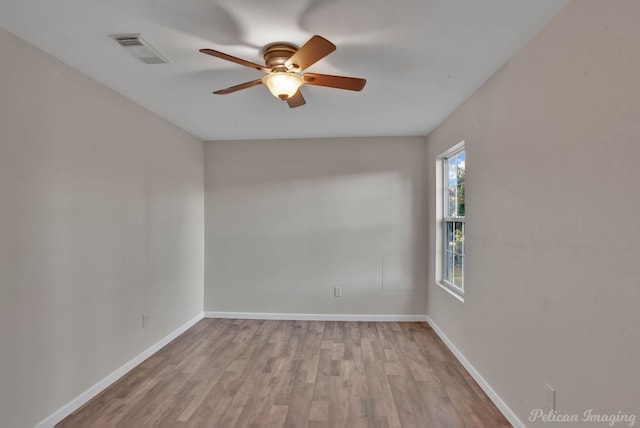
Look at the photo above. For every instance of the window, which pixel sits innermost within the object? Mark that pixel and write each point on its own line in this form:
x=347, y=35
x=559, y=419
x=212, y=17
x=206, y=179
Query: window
x=452, y=219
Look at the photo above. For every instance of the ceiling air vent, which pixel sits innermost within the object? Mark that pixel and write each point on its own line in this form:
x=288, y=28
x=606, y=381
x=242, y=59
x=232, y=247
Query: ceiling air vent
x=139, y=48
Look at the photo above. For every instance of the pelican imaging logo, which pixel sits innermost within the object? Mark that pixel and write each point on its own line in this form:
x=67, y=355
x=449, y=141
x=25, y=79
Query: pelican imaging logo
x=611, y=419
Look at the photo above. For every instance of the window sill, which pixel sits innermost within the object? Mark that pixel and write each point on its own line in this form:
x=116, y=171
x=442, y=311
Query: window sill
x=454, y=291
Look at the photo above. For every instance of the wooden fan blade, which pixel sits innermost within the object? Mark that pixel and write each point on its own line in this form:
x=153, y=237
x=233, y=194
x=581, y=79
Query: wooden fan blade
x=296, y=100
x=235, y=59
x=311, y=52
x=339, y=82
x=238, y=87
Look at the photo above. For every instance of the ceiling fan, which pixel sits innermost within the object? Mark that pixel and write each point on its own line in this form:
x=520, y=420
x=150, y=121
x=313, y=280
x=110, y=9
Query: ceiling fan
x=283, y=63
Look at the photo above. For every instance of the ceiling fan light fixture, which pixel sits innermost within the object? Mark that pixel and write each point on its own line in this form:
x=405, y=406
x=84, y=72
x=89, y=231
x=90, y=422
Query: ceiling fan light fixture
x=282, y=84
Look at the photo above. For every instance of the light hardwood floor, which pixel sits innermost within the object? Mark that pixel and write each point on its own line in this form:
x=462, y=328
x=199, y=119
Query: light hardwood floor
x=253, y=373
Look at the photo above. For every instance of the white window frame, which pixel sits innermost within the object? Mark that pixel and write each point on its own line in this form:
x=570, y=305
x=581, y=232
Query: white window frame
x=443, y=220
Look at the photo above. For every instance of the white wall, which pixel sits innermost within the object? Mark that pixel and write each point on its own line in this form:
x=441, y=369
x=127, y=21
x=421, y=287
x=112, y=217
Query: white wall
x=553, y=244
x=289, y=220
x=101, y=220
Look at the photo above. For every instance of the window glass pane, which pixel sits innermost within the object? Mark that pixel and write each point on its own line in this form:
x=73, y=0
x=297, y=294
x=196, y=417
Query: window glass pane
x=457, y=271
x=455, y=190
x=454, y=253
x=460, y=162
x=451, y=170
x=448, y=266
x=452, y=198
x=460, y=200
x=460, y=176
x=462, y=274
x=458, y=238
x=450, y=237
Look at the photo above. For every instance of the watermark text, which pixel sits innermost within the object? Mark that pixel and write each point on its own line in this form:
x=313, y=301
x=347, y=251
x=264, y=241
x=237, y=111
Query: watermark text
x=589, y=415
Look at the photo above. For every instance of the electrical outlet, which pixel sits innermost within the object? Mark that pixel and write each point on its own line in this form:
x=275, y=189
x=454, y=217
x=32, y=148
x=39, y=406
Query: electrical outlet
x=337, y=291
x=145, y=320
x=549, y=397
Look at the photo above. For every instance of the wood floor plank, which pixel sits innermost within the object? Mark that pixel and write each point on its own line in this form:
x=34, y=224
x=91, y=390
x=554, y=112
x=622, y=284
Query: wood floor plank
x=319, y=410
x=257, y=373
x=277, y=416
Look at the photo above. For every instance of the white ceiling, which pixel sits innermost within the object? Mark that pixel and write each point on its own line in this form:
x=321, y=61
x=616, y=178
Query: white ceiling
x=421, y=58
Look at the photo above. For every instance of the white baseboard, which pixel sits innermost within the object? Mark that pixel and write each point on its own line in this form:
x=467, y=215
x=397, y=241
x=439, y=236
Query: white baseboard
x=81, y=399
x=315, y=317
x=497, y=400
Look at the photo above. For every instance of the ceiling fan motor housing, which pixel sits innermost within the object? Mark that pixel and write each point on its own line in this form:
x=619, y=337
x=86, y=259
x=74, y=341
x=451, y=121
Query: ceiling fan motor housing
x=277, y=54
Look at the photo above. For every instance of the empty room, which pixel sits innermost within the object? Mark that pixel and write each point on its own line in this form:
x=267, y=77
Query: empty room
x=319, y=213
